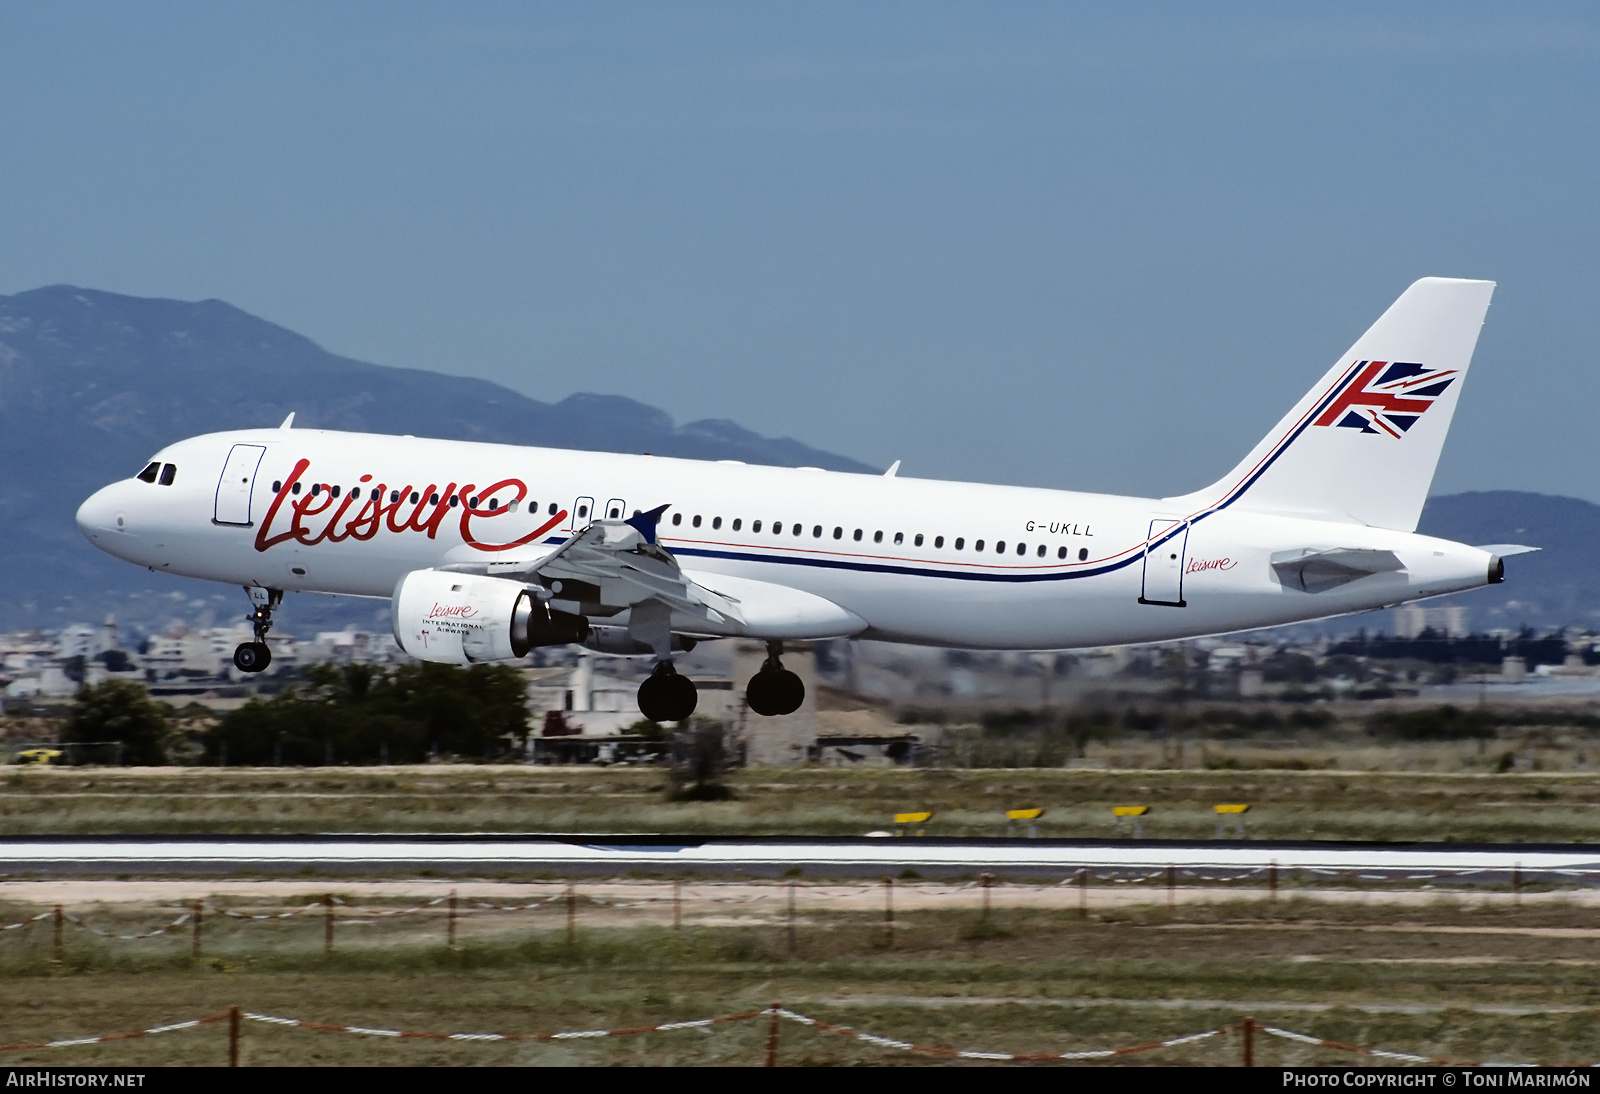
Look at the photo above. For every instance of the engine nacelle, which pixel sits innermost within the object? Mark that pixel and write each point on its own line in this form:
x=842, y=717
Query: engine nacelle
x=463, y=619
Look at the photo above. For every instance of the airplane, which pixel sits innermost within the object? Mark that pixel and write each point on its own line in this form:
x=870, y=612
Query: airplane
x=486, y=551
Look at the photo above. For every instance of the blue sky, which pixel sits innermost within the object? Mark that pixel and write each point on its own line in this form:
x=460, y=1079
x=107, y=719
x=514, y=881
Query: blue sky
x=1090, y=246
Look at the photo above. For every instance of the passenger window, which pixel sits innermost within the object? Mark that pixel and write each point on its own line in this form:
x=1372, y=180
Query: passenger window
x=295, y=489
x=938, y=541
x=858, y=535
x=473, y=503
x=877, y=537
x=960, y=542
x=277, y=484
x=799, y=529
x=150, y=472
x=316, y=488
x=899, y=538
x=394, y=496
x=755, y=526
x=415, y=497
x=696, y=520
x=777, y=527
x=977, y=545
x=455, y=500
x=552, y=510
x=1083, y=554
x=1022, y=548
x=677, y=518
x=334, y=490
x=736, y=523
x=838, y=533
x=918, y=541
x=169, y=472
x=583, y=510
x=816, y=532
x=716, y=522
x=999, y=546
x=494, y=503
x=1061, y=553
x=1041, y=550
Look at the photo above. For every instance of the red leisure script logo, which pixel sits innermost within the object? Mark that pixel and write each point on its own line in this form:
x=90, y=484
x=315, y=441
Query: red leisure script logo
x=323, y=518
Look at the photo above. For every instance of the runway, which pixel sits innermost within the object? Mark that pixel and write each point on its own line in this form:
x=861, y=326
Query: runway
x=534, y=854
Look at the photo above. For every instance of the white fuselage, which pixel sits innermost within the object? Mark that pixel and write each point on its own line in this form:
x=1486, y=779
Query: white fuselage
x=936, y=563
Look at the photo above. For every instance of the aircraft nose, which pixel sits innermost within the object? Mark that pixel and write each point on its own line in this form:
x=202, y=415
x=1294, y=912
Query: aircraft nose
x=99, y=515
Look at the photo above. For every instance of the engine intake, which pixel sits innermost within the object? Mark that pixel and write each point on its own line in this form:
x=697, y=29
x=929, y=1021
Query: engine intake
x=465, y=619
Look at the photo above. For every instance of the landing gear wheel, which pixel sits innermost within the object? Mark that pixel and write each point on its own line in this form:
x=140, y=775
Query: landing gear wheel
x=255, y=656
x=251, y=656
x=772, y=692
x=667, y=697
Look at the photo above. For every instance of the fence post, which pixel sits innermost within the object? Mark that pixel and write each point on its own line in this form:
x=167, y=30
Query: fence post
x=988, y=880
x=791, y=916
x=1083, y=892
x=677, y=904
x=60, y=929
x=888, y=910
x=195, y=947
x=452, y=926
x=1249, y=1045
x=327, y=923
x=772, y=1036
x=572, y=913
x=233, y=1036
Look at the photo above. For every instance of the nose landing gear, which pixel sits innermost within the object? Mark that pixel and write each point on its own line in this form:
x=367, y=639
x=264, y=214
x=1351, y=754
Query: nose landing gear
x=774, y=690
x=255, y=656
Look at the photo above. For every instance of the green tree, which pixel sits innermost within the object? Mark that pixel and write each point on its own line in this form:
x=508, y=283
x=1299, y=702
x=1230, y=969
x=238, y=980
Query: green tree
x=119, y=710
x=364, y=714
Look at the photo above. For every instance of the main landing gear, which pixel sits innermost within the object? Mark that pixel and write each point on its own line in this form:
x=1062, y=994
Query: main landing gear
x=255, y=656
x=667, y=697
x=774, y=690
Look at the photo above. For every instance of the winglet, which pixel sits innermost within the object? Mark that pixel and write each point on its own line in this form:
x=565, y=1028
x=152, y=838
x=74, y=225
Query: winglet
x=645, y=523
x=288, y=422
x=894, y=469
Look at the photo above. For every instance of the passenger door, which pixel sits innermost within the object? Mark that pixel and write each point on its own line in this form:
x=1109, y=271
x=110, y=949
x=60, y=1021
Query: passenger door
x=236, y=484
x=1163, y=563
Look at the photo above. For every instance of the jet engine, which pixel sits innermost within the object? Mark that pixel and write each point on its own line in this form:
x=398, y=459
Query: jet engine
x=464, y=619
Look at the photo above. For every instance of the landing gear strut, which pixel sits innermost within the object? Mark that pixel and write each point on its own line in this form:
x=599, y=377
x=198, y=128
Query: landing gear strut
x=774, y=690
x=667, y=697
x=255, y=656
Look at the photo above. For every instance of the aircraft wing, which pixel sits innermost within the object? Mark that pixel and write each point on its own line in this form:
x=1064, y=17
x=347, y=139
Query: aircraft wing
x=1314, y=571
x=614, y=566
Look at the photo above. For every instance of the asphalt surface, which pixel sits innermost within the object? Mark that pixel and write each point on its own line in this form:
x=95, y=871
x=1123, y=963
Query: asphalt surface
x=779, y=855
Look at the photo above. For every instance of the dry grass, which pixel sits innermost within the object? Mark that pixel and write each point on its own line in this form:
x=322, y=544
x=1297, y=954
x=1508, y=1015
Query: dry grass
x=1455, y=977
x=1407, y=805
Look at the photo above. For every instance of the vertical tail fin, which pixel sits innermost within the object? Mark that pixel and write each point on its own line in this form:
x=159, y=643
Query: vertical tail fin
x=1361, y=447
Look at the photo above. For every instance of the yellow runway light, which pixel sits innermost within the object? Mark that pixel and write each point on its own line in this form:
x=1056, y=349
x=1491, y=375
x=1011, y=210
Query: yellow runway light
x=912, y=818
x=1132, y=810
x=1233, y=809
x=1024, y=814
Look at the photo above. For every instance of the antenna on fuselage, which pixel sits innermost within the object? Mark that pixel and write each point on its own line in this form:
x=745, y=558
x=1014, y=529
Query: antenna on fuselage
x=894, y=468
x=287, y=422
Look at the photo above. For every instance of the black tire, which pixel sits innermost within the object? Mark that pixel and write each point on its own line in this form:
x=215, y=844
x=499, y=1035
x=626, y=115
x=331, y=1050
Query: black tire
x=252, y=656
x=668, y=697
x=775, y=692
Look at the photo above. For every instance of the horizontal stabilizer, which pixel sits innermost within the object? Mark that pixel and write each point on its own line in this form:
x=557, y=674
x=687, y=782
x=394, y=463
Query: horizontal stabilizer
x=1506, y=550
x=1312, y=571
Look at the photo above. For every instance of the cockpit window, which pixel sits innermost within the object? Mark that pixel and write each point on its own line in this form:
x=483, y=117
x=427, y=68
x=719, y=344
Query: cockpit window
x=150, y=472
x=169, y=474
